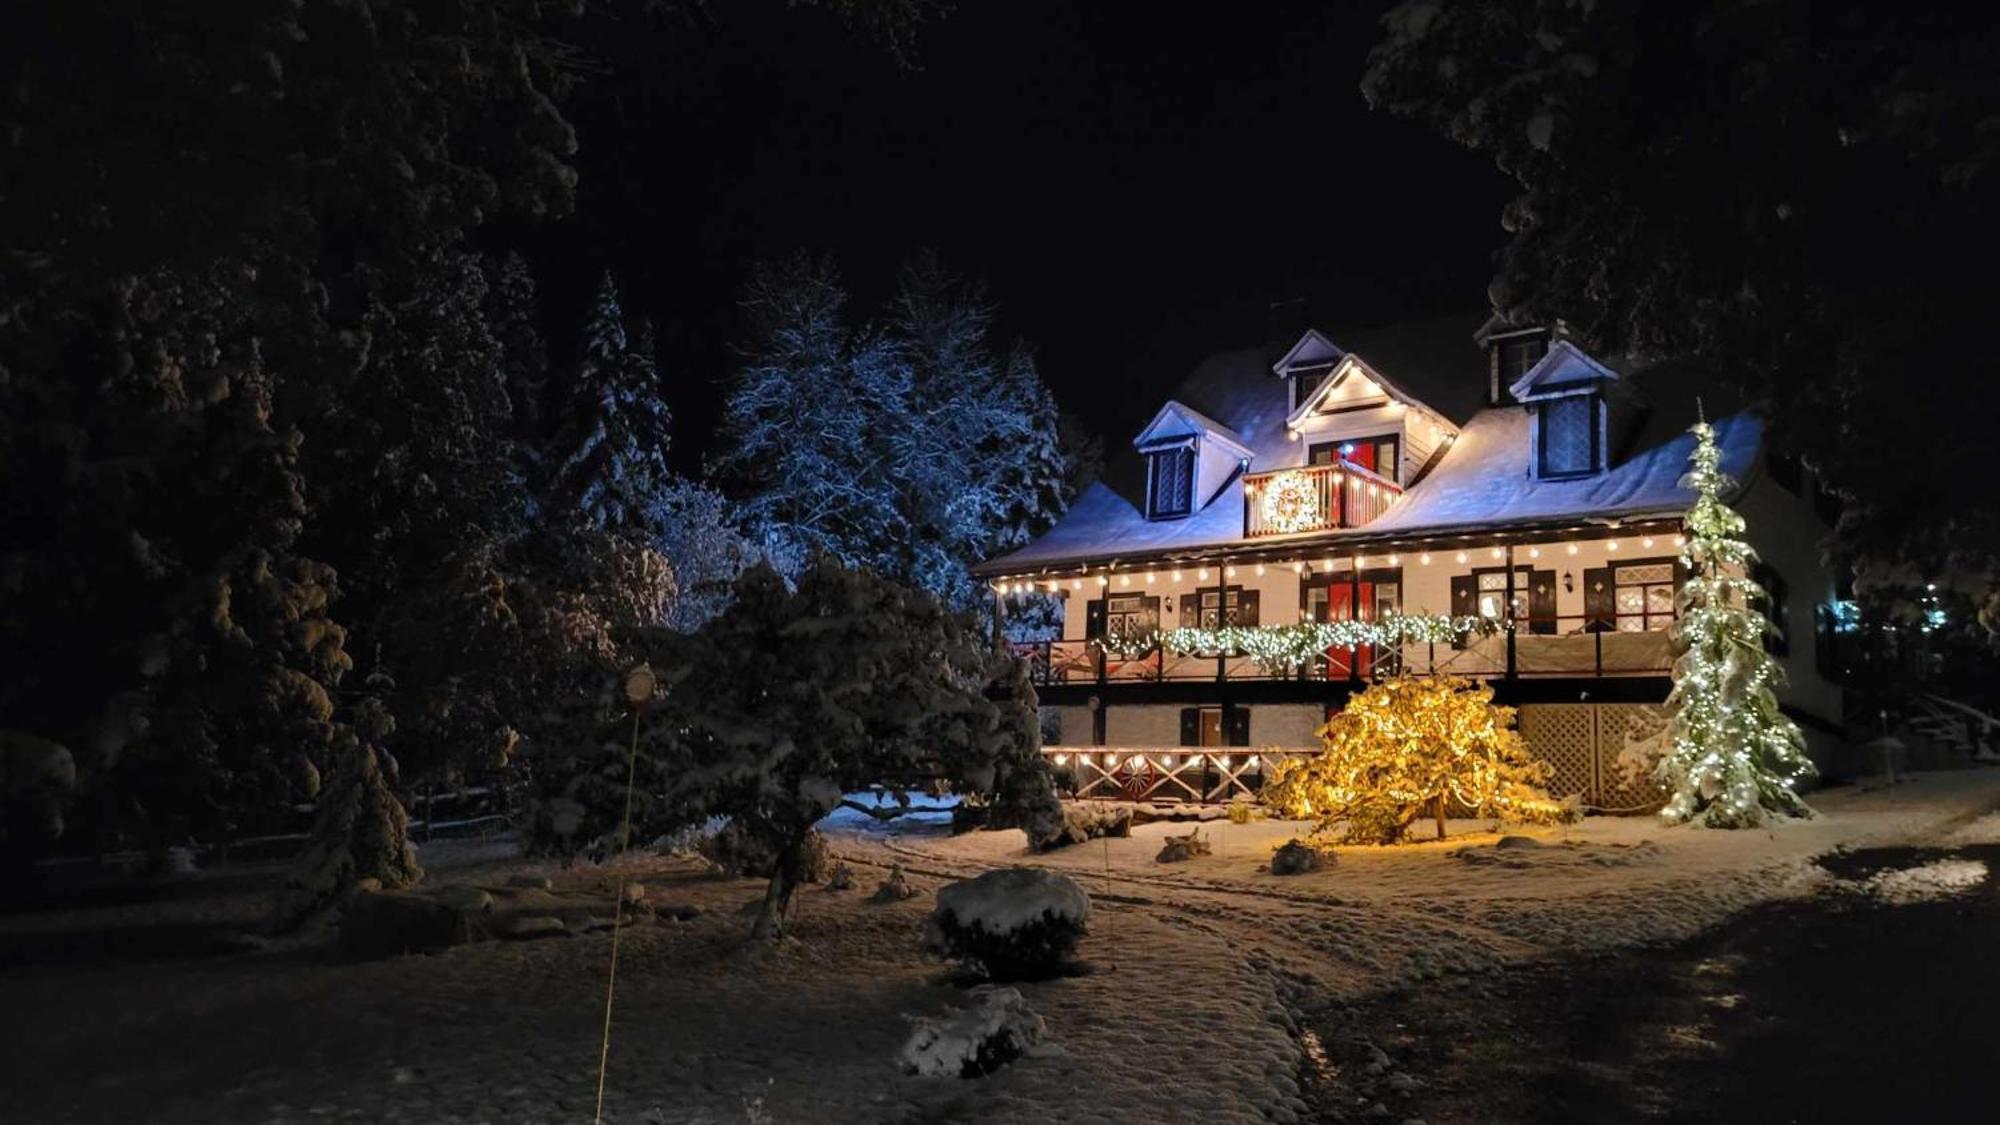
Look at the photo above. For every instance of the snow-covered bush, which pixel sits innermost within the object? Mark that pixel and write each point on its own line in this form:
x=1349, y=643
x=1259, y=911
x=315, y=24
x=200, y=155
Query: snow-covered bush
x=995, y=1030
x=1085, y=820
x=1018, y=923
x=1298, y=857
x=1180, y=849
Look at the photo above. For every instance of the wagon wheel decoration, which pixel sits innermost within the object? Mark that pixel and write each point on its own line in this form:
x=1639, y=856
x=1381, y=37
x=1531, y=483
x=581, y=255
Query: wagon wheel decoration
x=1136, y=780
x=1290, y=503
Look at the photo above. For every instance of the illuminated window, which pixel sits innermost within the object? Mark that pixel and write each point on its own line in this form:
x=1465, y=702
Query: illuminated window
x=1568, y=436
x=1643, y=596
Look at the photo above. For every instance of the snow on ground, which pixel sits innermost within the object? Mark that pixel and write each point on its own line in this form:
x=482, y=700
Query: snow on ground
x=1938, y=879
x=1186, y=1016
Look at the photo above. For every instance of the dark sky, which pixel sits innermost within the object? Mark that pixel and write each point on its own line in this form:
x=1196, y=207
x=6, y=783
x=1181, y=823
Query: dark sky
x=1137, y=182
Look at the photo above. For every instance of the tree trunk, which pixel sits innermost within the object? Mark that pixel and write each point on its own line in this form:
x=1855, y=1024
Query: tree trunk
x=778, y=894
x=1440, y=815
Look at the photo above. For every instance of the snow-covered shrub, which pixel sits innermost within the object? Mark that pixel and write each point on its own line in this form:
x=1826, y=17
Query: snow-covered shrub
x=995, y=1030
x=895, y=888
x=1018, y=923
x=1297, y=857
x=1085, y=820
x=1180, y=849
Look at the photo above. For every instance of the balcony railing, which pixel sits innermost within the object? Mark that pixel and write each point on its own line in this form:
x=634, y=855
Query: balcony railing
x=1314, y=498
x=1200, y=775
x=1540, y=647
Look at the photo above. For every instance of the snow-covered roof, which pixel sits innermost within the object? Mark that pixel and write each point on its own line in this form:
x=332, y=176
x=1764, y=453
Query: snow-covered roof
x=1351, y=367
x=1312, y=350
x=1563, y=367
x=1481, y=481
x=1177, y=419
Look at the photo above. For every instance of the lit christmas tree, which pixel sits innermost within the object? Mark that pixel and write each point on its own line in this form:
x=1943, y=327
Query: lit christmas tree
x=1734, y=757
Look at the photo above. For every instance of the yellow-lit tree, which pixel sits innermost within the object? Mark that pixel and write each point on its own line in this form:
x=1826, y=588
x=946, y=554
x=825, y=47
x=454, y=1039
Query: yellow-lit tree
x=1411, y=745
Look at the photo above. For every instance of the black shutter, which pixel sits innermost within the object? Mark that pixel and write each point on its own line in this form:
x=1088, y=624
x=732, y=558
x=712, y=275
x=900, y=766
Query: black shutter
x=1237, y=719
x=1093, y=619
x=1542, y=601
x=1190, y=726
x=1246, y=607
x=1464, y=602
x=1600, y=600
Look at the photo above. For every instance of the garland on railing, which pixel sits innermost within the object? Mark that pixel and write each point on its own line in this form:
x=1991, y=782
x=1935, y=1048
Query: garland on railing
x=1288, y=648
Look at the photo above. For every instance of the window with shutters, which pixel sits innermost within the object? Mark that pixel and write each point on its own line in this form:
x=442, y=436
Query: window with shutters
x=1170, y=482
x=1568, y=436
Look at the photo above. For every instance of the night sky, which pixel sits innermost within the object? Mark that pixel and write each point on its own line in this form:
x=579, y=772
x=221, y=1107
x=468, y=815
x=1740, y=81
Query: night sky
x=1137, y=182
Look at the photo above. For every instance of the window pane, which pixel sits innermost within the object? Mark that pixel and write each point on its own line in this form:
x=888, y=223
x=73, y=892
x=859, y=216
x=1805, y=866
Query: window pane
x=1640, y=575
x=1631, y=600
x=1489, y=581
x=1566, y=436
x=1660, y=599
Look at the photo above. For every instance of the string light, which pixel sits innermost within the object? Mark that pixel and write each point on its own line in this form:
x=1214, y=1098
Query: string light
x=1076, y=583
x=1611, y=544
x=1201, y=575
x=1177, y=574
x=1647, y=542
x=1151, y=578
x=1298, y=567
x=1425, y=558
x=1461, y=556
x=1103, y=581
x=1534, y=552
x=1124, y=580
x=1498, y=553
x=1260, y=570
x=1392, y=560
x=1571, y=548
x=1229, y=571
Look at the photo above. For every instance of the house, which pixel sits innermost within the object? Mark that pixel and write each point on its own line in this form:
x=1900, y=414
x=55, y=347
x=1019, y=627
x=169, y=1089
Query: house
x=1461, y=466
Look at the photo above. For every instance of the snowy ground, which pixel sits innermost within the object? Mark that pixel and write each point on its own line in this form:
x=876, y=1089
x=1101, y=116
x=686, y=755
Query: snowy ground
x=1188, y=1016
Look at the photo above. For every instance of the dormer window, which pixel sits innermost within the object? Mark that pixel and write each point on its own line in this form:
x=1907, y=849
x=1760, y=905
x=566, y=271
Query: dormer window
x=1567, y=436
x=1516, y=354
x=1170, y=482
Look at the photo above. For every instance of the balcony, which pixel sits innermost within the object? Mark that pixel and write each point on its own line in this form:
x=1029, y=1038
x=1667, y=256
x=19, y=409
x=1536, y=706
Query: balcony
x=1314, y=498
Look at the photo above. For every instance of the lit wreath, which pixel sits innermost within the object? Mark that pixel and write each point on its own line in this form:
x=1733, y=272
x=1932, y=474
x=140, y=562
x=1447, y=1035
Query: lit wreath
x=1291, y=503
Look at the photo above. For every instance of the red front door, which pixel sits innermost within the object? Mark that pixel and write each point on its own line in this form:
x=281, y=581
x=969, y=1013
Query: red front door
x=1340, y=607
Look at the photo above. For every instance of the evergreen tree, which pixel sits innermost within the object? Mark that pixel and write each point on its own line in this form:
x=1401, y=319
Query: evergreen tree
x=608, y=461
x=1734, y=757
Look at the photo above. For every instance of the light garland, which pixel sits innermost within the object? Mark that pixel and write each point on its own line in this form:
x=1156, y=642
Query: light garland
x=1280, y=649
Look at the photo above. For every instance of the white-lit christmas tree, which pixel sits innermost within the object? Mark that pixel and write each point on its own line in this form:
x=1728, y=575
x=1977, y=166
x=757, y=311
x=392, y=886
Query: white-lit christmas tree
x=1733, y=757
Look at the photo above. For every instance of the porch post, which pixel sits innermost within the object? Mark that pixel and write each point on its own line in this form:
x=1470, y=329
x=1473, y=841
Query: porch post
x=1354, y=614
x=999, y=618
x=1507, y=614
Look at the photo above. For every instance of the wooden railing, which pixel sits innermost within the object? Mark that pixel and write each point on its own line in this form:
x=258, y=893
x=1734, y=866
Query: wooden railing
x=1199, y=775
x=1540, y=647
x=1314, y=498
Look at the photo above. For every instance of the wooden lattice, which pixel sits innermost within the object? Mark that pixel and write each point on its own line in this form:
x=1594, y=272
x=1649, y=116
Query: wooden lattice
x=1565, y=736
x=1630, y=739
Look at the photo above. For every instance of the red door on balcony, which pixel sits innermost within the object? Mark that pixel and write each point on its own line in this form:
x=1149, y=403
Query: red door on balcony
x=1334, y=601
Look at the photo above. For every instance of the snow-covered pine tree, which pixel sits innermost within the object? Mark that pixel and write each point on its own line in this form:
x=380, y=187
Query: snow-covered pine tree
x=1733, y=758
x=608, y=460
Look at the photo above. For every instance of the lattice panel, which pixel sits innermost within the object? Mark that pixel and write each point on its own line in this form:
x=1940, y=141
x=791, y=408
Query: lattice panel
x=1631, y=737
x=1564, y=735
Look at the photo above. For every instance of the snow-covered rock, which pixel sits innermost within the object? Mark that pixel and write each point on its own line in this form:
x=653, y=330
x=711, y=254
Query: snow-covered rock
x=1180, y=849
x=1017, y=922
x=995, y=1030
x=1298, y=857
x=895, y=888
